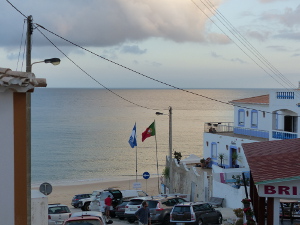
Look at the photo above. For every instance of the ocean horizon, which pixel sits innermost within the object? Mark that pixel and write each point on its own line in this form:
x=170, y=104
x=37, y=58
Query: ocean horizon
x=80, y=135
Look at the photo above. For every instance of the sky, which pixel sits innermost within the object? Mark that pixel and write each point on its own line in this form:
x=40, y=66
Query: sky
x=184, y=43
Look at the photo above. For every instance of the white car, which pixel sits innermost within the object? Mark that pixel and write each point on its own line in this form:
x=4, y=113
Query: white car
x=133, y=205
x=92, y=213
x=57, y=214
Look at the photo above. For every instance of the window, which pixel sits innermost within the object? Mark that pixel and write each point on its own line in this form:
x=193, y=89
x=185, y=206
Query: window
x=254, y=118
x=214, y=150
x=241, y=117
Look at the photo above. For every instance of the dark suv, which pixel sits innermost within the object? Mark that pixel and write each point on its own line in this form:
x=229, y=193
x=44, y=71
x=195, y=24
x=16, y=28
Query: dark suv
x=76, y=198
x=160, y=208
x=195, y=213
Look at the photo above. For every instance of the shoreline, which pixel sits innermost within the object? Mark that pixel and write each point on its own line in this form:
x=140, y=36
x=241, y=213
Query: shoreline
x=64, y=193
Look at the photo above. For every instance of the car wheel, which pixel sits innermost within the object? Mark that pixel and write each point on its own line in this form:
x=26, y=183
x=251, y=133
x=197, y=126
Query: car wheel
x=166, y=220
x=220, y=220
x=200, y=222
x=131, y=220
x=86, y=207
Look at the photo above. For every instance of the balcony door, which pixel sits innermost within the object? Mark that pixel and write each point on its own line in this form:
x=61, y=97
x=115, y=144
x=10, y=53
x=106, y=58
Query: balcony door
x=290, y=123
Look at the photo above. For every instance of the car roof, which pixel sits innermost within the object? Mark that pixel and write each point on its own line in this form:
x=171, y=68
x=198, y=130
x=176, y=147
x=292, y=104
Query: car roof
x=55, y=204
x=87, y=213
x=83, y=218
x=141, y=198
x=190, y=203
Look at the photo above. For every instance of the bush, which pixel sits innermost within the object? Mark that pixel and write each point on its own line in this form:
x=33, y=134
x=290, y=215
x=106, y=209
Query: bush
x=238, y=212
x=239, y=222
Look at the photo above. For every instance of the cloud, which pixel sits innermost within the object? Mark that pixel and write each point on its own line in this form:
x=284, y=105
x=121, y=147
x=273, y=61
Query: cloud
x=133, y=49
x=107, y=23
x=268, y=1
x=259, y=35
x=290, y=17
x=278, y=48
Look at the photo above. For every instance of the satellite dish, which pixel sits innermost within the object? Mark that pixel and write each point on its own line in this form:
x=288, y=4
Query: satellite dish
x=46, y=188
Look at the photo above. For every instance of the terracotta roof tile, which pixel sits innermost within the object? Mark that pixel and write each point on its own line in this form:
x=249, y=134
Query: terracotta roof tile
x=273, y=161
x=262, y=99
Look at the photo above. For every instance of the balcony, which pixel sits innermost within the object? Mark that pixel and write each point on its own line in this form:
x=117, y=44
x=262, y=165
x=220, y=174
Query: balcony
x=285, y=95
x=218, y=127
x=227, y=129
x=283, y=135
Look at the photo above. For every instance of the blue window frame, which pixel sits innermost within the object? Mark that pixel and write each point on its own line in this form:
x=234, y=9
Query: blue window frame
x=254, y=119
x=214, y=150
x=241, y=117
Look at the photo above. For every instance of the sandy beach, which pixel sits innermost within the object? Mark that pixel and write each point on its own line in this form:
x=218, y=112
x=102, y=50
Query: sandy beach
x=64, y=194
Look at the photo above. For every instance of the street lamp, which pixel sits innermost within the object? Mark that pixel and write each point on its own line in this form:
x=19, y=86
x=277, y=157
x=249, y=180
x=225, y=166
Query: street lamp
x=53, y=61
x=170, y=148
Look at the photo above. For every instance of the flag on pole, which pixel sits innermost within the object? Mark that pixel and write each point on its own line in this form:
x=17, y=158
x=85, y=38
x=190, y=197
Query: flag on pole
x=132, y=139
x=150, y=131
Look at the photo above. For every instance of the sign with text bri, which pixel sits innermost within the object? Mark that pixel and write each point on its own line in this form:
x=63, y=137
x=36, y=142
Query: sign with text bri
x=290, y=189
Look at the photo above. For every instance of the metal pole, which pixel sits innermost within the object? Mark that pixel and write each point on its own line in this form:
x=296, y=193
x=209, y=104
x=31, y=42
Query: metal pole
x=28, y=119
x=170, y=151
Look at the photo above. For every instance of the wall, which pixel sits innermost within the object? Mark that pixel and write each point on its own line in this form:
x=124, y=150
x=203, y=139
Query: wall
x=7, y=209
x=186, y=177
x=232, y=196
x=39, y=208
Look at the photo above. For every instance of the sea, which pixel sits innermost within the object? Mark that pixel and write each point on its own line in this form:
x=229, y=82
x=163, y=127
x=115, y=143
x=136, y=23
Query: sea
x=80, y=135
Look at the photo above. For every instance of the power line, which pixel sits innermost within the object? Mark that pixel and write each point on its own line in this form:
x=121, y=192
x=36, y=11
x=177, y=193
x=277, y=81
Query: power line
x=127, y=68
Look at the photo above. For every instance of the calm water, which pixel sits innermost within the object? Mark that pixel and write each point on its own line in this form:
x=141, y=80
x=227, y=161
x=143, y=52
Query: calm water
x=81, y=135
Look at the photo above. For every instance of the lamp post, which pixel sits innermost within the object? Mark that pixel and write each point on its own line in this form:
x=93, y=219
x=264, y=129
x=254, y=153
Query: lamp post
x=53, y=61
x=170, y=149
x=27, y=167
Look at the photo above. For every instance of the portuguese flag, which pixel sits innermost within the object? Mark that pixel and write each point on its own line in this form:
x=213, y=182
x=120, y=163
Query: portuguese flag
x=150, y=131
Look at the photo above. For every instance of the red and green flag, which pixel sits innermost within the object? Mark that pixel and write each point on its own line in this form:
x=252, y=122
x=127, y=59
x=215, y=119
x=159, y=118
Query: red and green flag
x=150, y=131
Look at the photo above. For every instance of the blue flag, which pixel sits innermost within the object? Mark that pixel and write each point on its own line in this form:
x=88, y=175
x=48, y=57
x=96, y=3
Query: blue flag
x=132, y=139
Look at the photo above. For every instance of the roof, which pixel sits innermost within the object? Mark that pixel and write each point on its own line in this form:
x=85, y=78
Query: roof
x=19, y=81
x=262, y=99
x=273, y=161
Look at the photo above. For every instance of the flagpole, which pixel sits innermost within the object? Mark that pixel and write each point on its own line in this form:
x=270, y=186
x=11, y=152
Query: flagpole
x=156, y=159
x=135, y=163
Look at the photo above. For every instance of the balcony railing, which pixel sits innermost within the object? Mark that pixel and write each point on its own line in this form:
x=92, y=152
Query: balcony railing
x=285, y=95
x=218, y=127
x=222, y=127
x=251, y=132
x=283, y=135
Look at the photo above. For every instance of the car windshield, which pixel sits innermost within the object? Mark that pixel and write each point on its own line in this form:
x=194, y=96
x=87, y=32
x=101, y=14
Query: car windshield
x=152, y=204
x=135, y=202
x=58, y=209
x=84, y=222
x=181, y=209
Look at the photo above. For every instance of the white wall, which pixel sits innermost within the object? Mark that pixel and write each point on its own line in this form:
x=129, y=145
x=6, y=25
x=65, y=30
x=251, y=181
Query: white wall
x=39, y=208
x=7, y=158
x=232, y=196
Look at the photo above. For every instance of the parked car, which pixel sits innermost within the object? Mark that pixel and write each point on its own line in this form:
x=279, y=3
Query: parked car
x=92, y=213
x=160, y=208
x=86, y=220
x=76, y=198
x=133, y=205
x=57, y=213
x=120, y=210
x=195, y=213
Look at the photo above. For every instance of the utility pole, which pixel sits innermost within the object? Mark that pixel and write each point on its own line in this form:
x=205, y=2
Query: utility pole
x=28, y=119
x=170, y=151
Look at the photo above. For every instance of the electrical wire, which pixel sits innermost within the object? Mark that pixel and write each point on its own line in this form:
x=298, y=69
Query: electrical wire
x=21, y=47
x=134, y=71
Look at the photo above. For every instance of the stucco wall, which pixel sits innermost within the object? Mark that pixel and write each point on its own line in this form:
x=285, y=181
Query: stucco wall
x=187, y=178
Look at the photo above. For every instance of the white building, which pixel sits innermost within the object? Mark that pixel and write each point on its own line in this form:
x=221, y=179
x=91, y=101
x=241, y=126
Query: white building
x=256, y=119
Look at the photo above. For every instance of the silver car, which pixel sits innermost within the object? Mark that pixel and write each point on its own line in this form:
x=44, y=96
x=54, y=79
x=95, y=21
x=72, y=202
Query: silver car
x=57, y=214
